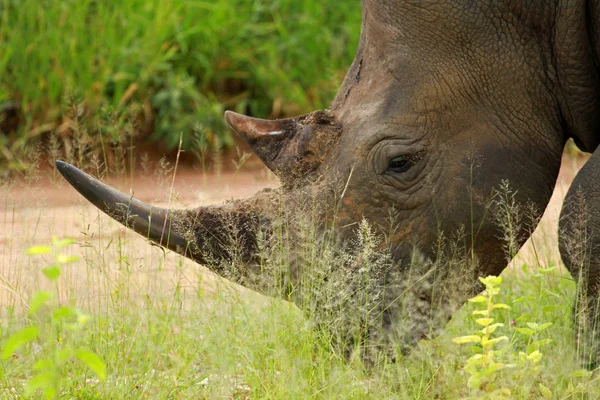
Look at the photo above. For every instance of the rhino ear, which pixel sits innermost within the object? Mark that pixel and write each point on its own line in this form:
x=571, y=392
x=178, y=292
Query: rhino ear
x=291, y=147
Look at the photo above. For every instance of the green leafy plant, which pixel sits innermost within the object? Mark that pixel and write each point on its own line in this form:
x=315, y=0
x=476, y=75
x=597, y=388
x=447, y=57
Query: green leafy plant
x=483, y=365
x=54, y=329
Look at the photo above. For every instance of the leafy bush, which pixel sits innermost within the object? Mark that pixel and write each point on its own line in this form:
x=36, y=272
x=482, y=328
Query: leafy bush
x=171, y=65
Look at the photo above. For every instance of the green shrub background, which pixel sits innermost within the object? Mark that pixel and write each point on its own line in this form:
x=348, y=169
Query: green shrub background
x=177, y=64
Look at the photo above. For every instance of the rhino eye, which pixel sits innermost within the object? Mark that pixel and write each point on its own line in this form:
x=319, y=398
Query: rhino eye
x=399, y=164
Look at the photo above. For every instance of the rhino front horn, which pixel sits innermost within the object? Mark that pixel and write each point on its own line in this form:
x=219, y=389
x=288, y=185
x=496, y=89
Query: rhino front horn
x=151, y=222
x=290, y=147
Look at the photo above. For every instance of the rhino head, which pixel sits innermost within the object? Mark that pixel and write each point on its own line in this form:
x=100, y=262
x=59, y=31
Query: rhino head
x=443, y=102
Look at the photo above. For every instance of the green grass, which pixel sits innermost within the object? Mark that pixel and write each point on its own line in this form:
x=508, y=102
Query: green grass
x=165, y=328
x=169, y=66
x=227, y=346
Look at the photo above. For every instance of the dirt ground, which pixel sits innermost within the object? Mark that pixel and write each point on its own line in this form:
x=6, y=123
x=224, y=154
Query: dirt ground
x=119, y=261
x=31, y=213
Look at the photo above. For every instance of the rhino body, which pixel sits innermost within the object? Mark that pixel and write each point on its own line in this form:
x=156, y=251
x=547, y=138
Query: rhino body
x=446, y=103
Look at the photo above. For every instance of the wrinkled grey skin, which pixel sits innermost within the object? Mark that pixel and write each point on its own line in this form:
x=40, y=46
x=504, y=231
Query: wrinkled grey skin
x=469, y=92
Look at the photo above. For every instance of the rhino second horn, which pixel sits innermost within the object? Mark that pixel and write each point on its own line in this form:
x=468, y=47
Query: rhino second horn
x=254, y=128
x=266, y=138
x=151, y=222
